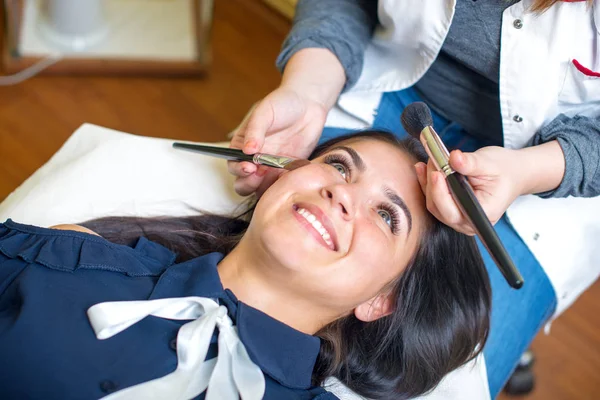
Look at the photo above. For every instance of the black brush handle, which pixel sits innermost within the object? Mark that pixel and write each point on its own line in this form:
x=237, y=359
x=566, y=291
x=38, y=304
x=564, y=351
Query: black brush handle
x=215, y=151
x=469, y=205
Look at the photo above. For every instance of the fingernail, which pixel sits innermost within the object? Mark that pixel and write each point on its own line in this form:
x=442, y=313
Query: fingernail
x=261, y=172
x=251, y=146
x=434, y=178
x=246, y=170
x=418, y=168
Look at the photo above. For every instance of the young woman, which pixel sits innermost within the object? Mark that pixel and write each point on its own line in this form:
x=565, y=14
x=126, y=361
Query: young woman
x=340, y=271
x=514, y=84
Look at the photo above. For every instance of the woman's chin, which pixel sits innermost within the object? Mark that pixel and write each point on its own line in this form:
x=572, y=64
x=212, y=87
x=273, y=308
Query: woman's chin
x=293, y=245
x=297, y=253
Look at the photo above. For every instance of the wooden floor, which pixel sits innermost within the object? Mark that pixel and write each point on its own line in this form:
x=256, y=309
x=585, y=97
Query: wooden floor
x=37, y=116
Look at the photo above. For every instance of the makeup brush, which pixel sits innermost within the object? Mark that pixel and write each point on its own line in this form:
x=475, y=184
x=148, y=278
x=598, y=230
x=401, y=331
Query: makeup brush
x=418, y=122
x=269, y=160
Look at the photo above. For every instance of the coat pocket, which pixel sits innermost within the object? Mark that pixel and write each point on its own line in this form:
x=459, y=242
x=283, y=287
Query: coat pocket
x=581, y=85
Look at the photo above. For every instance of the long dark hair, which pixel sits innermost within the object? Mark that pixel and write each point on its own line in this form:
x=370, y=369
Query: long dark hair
x=442, y=299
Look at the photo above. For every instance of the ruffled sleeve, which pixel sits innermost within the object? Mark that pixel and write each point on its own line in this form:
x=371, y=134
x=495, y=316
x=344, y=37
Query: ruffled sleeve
x=69, y=251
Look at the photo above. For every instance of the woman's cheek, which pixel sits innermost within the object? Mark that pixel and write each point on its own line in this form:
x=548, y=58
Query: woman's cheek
x=310, y=177
x=373, y=246
x=367, y=240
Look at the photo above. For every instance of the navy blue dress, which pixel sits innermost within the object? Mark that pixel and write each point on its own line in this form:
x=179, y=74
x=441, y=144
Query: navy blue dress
x=48, y=280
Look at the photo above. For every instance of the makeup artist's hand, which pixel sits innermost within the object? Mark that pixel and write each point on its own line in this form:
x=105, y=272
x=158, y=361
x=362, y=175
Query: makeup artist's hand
x=284, y=123
x=495, y=173
x=290, y=120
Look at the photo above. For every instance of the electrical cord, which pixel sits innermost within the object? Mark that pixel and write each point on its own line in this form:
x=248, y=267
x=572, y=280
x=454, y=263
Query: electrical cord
x=31, y=71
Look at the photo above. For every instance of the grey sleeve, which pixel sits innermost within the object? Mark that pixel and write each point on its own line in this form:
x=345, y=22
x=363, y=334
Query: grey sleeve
x=579, y=138
x=342, y=26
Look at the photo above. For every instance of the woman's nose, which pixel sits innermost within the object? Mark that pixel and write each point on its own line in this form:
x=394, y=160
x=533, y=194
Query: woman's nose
x=341, y=199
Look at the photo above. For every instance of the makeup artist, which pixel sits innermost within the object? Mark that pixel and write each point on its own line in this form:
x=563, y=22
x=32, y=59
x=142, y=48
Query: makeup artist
x=514, y=84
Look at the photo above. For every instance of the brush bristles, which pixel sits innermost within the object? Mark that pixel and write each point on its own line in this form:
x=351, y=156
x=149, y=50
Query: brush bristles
x=415, y=117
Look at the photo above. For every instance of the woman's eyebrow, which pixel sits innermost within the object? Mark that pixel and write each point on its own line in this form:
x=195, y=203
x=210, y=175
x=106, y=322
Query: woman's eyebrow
x=356, y=160
x=397, y=200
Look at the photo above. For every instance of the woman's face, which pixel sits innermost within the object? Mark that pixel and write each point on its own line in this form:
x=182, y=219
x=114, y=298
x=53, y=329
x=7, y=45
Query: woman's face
x=345, y=226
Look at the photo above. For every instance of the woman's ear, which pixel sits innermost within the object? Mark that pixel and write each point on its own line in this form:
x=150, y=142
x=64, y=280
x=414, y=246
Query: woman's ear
x=375, y=308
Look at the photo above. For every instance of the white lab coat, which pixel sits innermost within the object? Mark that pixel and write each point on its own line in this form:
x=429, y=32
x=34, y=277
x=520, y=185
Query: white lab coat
x=538, y=81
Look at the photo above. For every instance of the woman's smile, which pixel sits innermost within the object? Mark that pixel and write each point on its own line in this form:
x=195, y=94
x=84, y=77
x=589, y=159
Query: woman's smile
x=317, y=223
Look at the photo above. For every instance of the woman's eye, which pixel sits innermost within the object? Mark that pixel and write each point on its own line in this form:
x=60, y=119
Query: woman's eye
x=339, y=162
x=341, y=169
x=387, y=218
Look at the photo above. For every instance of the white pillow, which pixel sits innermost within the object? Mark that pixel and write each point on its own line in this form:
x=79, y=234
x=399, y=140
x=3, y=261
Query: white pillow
x=100, y=172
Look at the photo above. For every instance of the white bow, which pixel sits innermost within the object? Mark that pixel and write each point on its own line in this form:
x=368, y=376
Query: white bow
x=232, y=375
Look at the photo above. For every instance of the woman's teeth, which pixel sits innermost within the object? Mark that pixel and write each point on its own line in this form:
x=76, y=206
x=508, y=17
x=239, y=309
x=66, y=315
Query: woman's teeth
x=317, y=225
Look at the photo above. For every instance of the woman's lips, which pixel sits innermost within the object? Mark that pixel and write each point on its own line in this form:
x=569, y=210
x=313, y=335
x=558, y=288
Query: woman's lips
x=317, y=223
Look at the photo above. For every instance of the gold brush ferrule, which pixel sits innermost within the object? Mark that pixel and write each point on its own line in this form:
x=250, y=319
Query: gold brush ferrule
x=436, y=150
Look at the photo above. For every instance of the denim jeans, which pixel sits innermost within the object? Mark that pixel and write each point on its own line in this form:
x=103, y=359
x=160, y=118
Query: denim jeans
x=517, y=315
